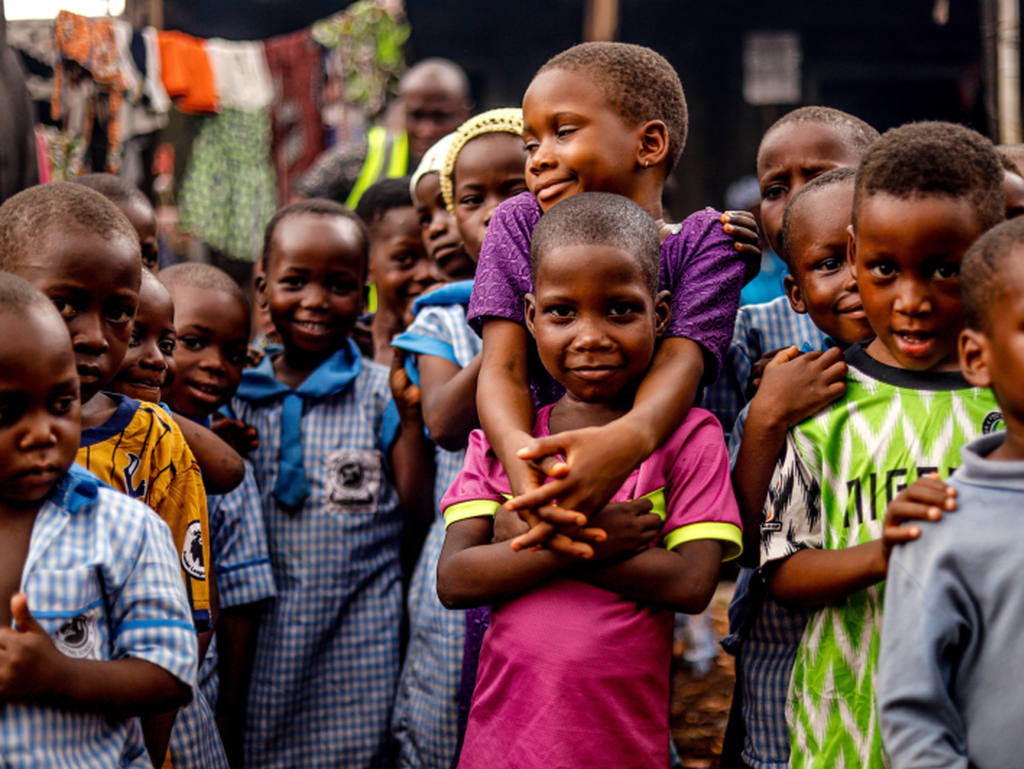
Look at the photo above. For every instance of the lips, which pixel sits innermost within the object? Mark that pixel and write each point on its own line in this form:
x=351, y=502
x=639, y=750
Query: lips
x=594, y=373
x=548, y=191
x=207, y=393
x=914, y=343
x=89, y=371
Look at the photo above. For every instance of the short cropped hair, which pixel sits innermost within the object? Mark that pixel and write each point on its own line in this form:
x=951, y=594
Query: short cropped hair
x=313, y=207
x=638, y=82
x=201, y=276
x=383, y=197
x=18, y=296
x=1015, y=152
x=112, y=187
x=30, y=215
x=841, y=175
x=983, y=267
x=858, y=134
x=934, y=158
x=599, y=219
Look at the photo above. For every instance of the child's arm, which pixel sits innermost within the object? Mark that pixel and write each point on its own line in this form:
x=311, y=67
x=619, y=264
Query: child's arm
x=236, y=650
x=33, y=670
x=449, y=399
x=795, y=386
x=220, y=464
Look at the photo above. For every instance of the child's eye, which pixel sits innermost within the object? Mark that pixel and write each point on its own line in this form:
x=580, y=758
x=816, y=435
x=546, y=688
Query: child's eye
x=64, y=307
x=773, y=192
x=135, y=339
x=471, y=201
x=63, y=404
x=623, y=309
x=292, y=281
x=831, y=264
x=531, y=146
x=120, y=314
x=167, y=346
x=947, y=271
x=564, y=131
x=343, y=286
x=882, y=269
x=191, y=343
x=559, y=311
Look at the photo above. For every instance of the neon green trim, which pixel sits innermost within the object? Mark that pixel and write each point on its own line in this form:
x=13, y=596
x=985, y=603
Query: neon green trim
x=376, y=143
x=658, y=504
x=399, y=161
x=473, y=508
x=728, y=533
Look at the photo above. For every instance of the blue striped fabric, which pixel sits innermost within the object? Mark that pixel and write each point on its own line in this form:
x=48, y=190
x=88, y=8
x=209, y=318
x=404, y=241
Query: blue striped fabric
x=425, y=722
x=327, y=653
x=102, y=578
x=759, y=328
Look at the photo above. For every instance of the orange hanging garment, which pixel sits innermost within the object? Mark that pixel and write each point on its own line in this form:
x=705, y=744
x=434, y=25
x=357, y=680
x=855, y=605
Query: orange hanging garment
x=186, y=72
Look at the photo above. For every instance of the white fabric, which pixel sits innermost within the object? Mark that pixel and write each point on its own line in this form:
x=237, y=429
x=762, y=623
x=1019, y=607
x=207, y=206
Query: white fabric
x=240, y=74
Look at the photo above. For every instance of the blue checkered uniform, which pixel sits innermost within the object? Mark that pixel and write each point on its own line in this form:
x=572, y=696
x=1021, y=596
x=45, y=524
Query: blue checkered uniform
x=759, y=328
x=425, y=722
x=242, y=564
x=102, y=578
x=327, y=653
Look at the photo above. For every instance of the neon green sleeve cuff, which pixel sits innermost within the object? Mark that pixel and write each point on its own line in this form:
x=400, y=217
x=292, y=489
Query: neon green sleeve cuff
x=473, y=508
x=729, y=534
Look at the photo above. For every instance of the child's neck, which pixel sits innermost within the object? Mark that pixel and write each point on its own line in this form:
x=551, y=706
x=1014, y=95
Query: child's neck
x=292, y=368
x=1012, y=447
x=570, y=413
x=97, y=410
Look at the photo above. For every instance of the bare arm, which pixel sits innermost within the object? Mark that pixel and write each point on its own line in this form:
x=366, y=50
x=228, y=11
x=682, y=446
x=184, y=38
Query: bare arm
x=236, y=649
x=813, y=577
x=449, y=399
x=221, y=465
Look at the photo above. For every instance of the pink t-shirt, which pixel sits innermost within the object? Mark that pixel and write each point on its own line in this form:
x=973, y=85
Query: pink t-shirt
x=572, y=675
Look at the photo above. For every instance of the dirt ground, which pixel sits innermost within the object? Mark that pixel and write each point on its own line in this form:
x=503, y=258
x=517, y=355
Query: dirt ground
x=700, y=705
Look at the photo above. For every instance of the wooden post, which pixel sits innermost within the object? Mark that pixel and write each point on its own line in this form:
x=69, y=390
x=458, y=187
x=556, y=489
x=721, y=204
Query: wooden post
x=1008, y=70
x=600, y=20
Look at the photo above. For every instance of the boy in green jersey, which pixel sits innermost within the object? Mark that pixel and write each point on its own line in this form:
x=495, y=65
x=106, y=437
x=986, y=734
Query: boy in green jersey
x=924, y=192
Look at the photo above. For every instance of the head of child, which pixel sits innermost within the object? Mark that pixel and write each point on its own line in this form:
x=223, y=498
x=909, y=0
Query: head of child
x=603, y=117
x=992, y=342
x=924, y=193
x=39, y=405
x=211, y=319
x=133, y=204
x=75, y=246
x=596, y=313
x=148, y=364
x=312, y=276
x=438, y=229
x=484, y=165
x=813, y=245
x=799, y=146
x=1013, y=186
x=399, y=265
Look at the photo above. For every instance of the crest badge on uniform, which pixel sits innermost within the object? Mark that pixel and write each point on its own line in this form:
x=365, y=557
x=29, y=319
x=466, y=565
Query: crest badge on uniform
x=353, y=479
x=192, y=551
x=993, y=421
x=79, y=637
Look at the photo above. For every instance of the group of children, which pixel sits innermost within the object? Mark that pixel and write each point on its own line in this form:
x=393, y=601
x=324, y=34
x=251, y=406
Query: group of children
x=455, y=533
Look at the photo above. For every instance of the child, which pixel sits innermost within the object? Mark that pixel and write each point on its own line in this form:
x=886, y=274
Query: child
x=765, y=634
x=482, y=164
x=212, y=325
x=440, y=234
x=947, y=684
x=399, y=266
x=90, y=269
x=134, y=205
x=96, y=626
x=560, y=660
x=327, y=653
x=924, y=192
x=1013, y=186
x=798, y=147
x=598, y=117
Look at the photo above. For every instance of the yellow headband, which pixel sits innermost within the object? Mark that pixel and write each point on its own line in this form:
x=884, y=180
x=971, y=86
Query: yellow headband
x=506, y=120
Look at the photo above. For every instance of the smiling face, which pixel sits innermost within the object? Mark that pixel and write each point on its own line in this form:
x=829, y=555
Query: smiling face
x=595, y=321
x=39, y=406
x=488, y=171
x=398, y=262
x=576, y=140
x=906, y=257
x=821, y=283
x=789, y=157
x=149, y=361
x=213, y=334
x=439, y=231
x=313, y=284
x=94, y=283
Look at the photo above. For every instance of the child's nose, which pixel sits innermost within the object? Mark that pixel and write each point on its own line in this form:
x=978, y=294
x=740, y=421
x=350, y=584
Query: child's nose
x=912, y=297
x=87, y=334
x=541, y=158
x=152, y=358
x=38, y=430
x=314, y=296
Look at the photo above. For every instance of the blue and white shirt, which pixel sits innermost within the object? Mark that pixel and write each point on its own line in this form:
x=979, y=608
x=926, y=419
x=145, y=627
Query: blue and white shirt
x=102, y=578
x=327, y=653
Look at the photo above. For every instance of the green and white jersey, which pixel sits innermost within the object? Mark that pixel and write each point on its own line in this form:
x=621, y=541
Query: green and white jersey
x=838, y=472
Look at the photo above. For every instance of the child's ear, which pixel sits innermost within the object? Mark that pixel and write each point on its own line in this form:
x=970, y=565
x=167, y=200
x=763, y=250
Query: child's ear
x=530, y=312
x=851, y=250
x=975, y=356
x=260, y=284
x=654, y=142
x=662, y=312
x=795, y=296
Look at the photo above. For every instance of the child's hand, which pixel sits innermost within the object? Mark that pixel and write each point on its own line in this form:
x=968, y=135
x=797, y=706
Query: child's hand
x=405, y=393
x=254, y=355
x=629, y=527
x=236, y=433
x=757, y=371
x=923, y=500
x=797, y=385
x=508, y=525
x=742, y=226
x=30, y=665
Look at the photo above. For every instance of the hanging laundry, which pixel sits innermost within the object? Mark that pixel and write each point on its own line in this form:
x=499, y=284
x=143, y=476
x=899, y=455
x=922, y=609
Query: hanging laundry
x=227, y=196
x=186, y=72
x=240, y=74
x=154, y=84
x=295, y=63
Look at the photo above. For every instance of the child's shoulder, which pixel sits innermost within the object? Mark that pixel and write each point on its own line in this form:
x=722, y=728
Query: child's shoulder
x=84, y=495
x=701, y=228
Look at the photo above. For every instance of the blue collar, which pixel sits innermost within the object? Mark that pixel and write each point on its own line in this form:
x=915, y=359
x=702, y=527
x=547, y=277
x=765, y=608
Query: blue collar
x=260, y=386
x=450, y=293
x=77, y=489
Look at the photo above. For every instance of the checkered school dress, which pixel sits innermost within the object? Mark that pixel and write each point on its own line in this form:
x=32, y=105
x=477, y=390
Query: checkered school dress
x=327, y=653
x=758, y=329
x=425, y=722
x=102, y=578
